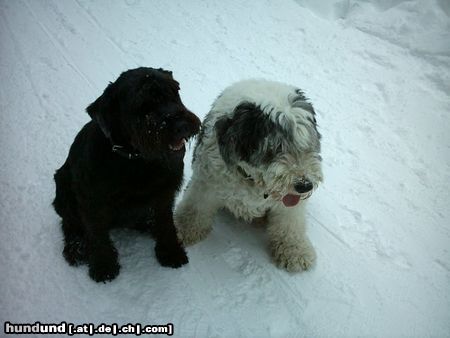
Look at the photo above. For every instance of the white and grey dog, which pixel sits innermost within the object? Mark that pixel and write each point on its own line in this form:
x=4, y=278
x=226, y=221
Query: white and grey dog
x=258, y=156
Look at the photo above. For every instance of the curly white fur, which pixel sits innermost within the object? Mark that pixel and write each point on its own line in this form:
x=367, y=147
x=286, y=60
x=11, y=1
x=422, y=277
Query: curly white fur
x=255, y=188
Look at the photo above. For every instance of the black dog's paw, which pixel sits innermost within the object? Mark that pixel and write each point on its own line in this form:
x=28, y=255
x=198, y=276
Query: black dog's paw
x=104, y=271
x=172, y=256
x=75, y=251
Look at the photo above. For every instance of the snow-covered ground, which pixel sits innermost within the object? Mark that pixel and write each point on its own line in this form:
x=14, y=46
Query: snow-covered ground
x=378, y=73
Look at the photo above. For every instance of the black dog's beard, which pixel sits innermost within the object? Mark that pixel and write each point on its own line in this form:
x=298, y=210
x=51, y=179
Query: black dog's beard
x=147, y=142
x=155, y=148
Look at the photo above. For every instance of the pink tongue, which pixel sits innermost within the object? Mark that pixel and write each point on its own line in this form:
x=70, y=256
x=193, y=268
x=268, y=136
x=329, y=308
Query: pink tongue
x=291, y=200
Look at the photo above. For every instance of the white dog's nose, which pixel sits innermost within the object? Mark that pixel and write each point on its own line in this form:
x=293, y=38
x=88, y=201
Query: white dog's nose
x=303, y=186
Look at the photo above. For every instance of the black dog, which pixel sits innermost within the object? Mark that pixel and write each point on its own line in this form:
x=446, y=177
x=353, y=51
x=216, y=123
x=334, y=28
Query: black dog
x=124, y=169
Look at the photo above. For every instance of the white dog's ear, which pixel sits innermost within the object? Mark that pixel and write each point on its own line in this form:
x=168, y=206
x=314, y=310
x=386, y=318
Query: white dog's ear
x=244, y=135
x=102, y=110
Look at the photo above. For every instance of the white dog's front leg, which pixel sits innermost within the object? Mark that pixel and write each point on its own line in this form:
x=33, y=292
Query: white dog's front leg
x=195, y=214
x=290, y=247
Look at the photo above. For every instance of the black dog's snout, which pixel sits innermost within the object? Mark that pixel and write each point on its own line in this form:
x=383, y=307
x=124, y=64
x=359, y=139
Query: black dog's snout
x=182, y=127
x=303, y=186
x=187, y=125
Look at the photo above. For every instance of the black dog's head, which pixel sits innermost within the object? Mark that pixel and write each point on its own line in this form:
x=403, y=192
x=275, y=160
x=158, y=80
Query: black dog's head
x=142, y=110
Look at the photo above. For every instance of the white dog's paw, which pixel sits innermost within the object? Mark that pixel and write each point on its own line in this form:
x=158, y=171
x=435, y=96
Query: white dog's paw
x=191, y=235
x=293, y=257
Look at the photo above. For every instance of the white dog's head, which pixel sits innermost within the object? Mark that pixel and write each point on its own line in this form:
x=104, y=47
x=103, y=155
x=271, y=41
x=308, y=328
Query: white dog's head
x=267, y=133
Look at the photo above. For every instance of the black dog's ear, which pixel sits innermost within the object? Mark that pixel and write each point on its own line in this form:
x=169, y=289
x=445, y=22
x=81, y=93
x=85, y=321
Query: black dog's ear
x=101, y=110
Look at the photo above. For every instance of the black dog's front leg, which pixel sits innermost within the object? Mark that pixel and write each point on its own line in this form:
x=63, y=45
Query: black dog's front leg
x=102, y=255
x=169, y=251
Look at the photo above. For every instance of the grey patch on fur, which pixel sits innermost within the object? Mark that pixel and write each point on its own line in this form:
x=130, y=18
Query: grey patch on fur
x=199, y=142
x=300, y=101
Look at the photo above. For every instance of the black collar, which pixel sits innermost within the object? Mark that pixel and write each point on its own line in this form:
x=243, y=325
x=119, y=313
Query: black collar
x=120, y=150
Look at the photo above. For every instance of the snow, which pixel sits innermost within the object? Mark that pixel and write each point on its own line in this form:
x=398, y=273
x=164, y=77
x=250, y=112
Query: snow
x=378, y=74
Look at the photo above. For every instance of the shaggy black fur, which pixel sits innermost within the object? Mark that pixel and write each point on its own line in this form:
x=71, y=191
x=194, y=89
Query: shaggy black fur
x=251, y=136
x=242, y=137
x=98, y=189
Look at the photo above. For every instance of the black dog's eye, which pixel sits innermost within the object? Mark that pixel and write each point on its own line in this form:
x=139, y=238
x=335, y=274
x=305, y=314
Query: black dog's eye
x=150, y=120
x=173, y=116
